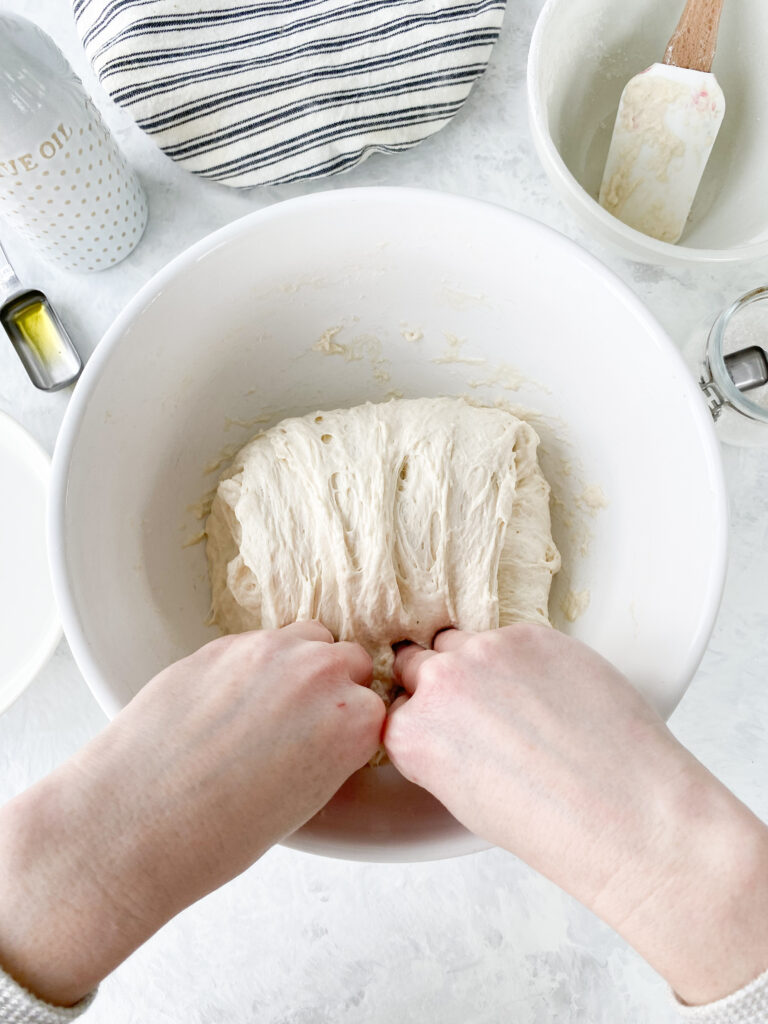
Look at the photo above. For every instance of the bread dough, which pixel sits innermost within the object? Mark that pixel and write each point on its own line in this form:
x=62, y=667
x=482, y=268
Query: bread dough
x=385, y=522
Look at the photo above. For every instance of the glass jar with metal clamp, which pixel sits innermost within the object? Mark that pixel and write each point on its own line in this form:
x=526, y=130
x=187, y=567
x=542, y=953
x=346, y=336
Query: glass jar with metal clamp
x=733, y=373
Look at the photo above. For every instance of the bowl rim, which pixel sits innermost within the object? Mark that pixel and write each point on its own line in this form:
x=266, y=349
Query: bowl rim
x=612, y=230
x=408, y=198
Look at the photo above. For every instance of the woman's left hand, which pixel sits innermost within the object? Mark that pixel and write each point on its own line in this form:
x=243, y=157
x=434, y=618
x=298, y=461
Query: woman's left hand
x=218, y=757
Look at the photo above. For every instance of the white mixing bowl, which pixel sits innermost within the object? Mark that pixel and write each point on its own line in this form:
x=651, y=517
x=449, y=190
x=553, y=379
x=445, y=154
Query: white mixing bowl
x=225, y=333
x=583, y=53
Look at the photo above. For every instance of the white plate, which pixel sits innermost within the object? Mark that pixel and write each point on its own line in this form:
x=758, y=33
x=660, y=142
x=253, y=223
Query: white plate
x=29, y=624
x=226, y=333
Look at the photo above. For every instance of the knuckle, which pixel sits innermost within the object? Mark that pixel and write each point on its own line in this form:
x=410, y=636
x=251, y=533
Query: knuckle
x=370, y=698
x=267, y=641
x=524, y=634
x=365, y=657
x=440, y=680
x=398, y=734
x=407, y=745
x=433, y=701
x=368, y=707
x=223, y=653
x=432, y=673
x=486, y=650
x=364, y=714
x=221, y=645
x=516, y=643
x=327, y=664
x=259, y=648
x=318, y=630
x=257, y=651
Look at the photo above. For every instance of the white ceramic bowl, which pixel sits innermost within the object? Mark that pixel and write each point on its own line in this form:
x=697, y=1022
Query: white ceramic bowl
x=583, y=53
x=225, y=333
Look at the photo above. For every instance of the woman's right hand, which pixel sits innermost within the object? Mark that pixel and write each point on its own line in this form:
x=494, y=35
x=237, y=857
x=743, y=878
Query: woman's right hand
x=539, y=745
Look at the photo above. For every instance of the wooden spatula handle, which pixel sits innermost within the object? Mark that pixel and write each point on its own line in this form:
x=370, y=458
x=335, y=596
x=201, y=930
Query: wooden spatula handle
x=694, y=40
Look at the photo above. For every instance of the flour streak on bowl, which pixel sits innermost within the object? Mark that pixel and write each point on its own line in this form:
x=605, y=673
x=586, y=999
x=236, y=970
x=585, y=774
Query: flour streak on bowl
x=407, y=270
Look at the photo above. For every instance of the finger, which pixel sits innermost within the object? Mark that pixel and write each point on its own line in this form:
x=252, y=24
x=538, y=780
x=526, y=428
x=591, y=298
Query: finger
x=311, y=630
x=357, y=660
x=408, y=663
x=402, y=699
x=397, y=737
x=451, y=639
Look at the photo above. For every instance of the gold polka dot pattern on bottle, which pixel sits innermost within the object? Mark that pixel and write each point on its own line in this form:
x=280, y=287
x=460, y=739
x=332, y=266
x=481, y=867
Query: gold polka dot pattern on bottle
x=64, y=184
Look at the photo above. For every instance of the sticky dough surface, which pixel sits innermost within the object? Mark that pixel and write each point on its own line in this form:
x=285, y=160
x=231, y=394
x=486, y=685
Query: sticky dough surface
x=386, y=522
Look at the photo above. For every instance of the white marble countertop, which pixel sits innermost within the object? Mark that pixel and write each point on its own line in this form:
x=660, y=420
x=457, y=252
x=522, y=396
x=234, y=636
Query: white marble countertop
x=480, y=940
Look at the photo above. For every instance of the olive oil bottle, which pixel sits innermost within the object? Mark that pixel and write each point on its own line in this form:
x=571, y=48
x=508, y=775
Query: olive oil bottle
x=64, y=184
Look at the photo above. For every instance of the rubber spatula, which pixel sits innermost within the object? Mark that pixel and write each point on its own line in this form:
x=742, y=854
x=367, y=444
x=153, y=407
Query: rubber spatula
x=668, y=119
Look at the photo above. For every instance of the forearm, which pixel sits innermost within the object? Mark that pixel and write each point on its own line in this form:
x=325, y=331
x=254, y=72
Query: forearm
x=99, y=855
x=66, y=913
x=215, y=760
x=536, y=743
x=701, y=918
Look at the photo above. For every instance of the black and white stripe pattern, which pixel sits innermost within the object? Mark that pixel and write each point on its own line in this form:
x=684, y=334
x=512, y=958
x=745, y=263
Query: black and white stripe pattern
x=284, y=90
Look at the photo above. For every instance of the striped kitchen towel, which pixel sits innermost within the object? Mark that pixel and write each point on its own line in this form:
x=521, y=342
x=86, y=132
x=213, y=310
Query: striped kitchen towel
x=285, y=90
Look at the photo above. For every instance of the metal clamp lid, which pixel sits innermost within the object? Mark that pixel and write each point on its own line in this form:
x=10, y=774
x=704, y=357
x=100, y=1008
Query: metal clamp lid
x=747, y=368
